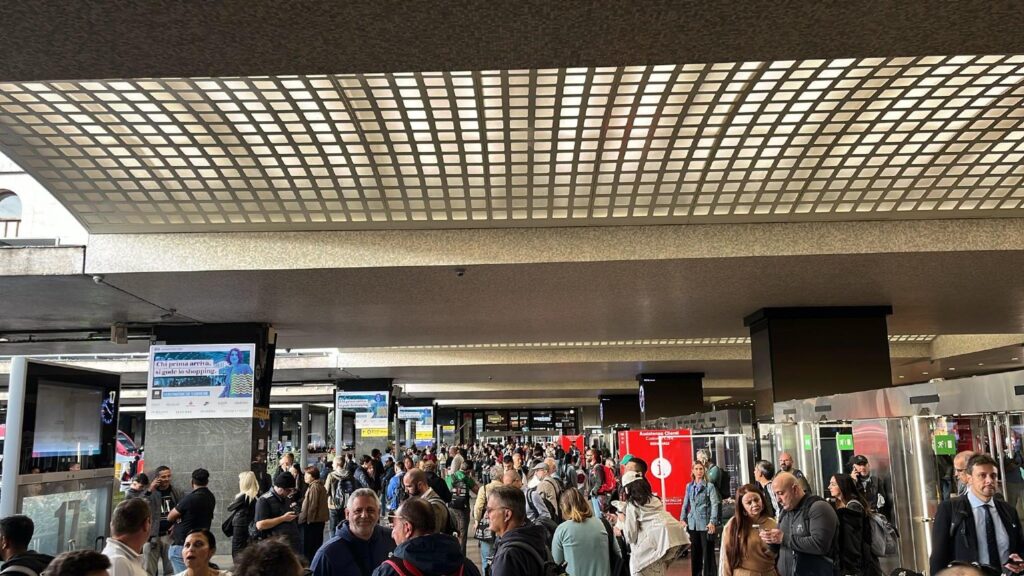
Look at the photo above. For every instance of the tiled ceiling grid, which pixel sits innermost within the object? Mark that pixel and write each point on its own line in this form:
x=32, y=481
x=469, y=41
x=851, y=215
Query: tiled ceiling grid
x=814, y=139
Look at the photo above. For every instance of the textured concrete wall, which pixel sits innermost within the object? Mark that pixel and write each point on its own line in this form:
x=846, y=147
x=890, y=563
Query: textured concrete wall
x=222, y=446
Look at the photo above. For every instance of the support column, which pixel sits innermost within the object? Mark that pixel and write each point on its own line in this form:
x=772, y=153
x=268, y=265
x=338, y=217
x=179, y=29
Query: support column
x=620, y=409
x=303, y=435
x=807, y=352
x=224, y=446
x=670, y=394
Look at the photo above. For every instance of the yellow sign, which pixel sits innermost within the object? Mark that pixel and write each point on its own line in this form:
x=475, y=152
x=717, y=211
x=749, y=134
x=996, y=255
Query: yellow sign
x=261, y=413
x=424, y=435
x=447, y=429
x=374, y=432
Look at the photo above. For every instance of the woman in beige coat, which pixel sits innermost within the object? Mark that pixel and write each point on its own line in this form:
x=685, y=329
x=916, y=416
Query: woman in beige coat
x=314, y=513
x=654, y=536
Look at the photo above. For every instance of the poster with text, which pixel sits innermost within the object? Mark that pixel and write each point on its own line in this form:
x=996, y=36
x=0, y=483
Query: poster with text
x=200, y=381
x=371, y=410
x=669, y=457
x=424, y=423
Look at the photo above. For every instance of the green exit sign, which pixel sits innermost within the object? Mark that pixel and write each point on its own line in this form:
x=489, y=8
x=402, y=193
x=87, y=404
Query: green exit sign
x=808, y=444
x=945, y=445
x=845, y=442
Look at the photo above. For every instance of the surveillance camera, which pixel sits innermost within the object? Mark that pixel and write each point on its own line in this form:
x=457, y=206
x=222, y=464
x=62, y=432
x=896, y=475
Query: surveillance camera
x=460, y=272
x=97, y=279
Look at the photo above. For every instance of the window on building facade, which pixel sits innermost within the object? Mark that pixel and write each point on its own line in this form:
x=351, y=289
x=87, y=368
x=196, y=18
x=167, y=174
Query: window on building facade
x=10, y=214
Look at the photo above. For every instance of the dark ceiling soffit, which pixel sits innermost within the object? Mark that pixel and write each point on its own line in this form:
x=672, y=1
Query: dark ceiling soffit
x=666, y=376
x=163, y=38
x=817, y=312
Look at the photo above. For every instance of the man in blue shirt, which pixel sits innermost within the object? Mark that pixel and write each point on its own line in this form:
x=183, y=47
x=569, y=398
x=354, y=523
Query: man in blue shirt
x=360, y=544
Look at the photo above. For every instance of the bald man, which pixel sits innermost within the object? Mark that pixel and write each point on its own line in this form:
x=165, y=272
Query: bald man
x=786, y=465
x=807, y=525
x=963, y=479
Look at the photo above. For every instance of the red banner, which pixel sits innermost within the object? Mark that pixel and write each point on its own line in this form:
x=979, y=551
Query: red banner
x=566, y=441
x=669, y=457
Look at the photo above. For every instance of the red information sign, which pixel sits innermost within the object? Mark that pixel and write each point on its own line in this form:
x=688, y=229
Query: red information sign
x=669, y=457
x=566, y=441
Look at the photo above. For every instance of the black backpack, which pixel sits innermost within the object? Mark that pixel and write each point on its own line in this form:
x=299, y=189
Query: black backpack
x=339, y=493
x=460, y=494
x=547, y=523
x=547, y=565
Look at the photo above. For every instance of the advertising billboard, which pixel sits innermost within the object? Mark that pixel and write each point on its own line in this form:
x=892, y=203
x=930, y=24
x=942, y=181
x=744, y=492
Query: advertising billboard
x=200, y=381
x=371, y=410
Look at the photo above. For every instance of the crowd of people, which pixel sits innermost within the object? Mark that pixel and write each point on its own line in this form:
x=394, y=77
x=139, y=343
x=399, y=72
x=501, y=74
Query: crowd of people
x=535, y=510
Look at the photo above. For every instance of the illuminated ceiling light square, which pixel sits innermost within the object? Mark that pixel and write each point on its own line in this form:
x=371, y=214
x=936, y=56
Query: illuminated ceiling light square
x=934, y=134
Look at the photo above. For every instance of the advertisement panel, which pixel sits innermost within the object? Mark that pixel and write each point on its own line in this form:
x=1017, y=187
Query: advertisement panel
x=669, y=457
x=200, y=381
x=424, y=417
x=371, y=410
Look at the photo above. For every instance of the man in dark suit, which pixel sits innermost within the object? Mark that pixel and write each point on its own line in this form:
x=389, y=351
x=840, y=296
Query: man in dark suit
x=977, y=527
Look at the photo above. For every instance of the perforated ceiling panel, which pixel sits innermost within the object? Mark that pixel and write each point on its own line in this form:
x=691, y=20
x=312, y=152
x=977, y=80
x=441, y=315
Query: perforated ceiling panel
x=753, y=141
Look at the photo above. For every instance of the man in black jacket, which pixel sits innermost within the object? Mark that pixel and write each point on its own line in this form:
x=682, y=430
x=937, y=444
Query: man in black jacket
x=977, y=527
x=15, y=535
x=521, y=548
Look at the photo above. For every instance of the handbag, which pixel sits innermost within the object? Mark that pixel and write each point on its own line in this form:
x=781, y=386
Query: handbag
x=483, y=526
x=228, y=525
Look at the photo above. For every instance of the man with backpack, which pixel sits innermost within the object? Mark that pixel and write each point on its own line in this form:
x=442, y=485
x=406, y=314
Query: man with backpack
x=415, y=482
x=461, y=484
x=15, y=535
x=520, y=549
x=548, y=486
x=421, y=550
x=806, y=537
x=339, y=485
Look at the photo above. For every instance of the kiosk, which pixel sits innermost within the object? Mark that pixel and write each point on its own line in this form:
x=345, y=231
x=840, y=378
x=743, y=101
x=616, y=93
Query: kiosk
x=59, y=452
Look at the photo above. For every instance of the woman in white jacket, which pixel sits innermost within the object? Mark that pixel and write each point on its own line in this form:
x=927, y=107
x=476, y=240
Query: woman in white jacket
x=652, y=533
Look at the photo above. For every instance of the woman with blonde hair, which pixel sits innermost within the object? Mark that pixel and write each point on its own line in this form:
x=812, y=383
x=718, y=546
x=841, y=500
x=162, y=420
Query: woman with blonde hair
x=243, y=510
x=582, y=541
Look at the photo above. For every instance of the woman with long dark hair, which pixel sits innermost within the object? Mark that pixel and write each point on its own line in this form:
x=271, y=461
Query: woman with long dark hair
x=855, y=557
x=743, y=551
x=653, y=535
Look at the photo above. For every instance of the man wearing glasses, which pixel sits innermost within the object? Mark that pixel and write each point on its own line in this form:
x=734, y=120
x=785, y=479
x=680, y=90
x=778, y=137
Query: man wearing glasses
x=521, y=548
x=963, y=479
x=421, y=550
x=360, y=544
x=274, y=515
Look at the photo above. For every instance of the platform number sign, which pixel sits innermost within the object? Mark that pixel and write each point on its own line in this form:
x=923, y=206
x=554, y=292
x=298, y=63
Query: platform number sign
x=844, y=442
x=945, y=445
